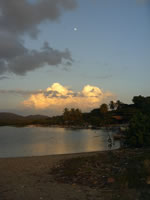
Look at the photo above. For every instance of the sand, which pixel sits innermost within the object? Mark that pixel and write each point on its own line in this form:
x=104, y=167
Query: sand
x=29, y=178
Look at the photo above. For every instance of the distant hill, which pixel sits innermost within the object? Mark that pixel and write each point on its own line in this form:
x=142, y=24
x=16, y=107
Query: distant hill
x=36, y=117
x=14, y=119
x=10, y=117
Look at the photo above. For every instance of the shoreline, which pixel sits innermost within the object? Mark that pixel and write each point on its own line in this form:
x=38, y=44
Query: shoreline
x=108, y=127
x=32, y=177
x=60, y=155
x=29, y=178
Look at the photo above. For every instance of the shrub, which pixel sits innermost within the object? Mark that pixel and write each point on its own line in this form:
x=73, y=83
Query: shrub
x=138, y=134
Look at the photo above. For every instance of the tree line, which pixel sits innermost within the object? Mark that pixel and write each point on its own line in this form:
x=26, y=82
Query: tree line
x=135, y=115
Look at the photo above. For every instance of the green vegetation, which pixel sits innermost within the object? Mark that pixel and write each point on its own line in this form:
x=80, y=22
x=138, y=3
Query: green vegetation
x=72, y=117
x=138, y=134
x=104, y=109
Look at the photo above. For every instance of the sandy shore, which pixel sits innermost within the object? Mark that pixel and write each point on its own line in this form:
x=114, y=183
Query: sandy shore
x=29, y=178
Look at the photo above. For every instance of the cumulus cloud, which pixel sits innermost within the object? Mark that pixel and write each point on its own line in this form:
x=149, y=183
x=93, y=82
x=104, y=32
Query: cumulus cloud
x=23, y=17
x=57, y=97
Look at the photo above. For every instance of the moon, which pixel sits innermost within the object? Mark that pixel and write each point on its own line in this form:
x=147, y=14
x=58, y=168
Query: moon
x=75, y=29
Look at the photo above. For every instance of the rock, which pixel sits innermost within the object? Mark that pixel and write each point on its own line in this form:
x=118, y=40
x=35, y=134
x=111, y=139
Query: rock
x=110, y=180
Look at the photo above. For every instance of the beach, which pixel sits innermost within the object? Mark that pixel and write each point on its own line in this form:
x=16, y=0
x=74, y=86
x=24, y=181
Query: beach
x=29, y=178
x=109, y=175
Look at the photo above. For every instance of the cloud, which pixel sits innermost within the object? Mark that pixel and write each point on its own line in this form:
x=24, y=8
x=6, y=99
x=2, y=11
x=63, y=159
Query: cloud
x=10, y=46
x=22, y=17
x=19, y=91
x=57, y=97
x=34, y=59
x=3, y=77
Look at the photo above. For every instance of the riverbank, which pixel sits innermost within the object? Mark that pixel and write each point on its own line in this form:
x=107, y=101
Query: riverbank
x=119, y=174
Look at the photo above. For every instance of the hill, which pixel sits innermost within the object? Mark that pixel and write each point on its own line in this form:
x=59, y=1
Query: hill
x=14, y=119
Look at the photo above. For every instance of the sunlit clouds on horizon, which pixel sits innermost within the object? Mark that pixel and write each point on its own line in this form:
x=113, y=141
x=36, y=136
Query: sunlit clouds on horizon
x=57, y=97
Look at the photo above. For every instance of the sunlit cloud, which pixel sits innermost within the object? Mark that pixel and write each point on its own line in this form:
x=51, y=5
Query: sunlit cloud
x=57, y=97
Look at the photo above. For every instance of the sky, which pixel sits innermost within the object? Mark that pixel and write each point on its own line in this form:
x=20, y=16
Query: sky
x=72, y=53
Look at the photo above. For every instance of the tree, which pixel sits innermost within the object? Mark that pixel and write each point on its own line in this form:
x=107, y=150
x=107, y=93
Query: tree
x=66, y=114
x=138, y=134
x=120, y=105
x=112, y=105
x=104, y=108
x=139, y=101
x=72, y=116
x=142, y=104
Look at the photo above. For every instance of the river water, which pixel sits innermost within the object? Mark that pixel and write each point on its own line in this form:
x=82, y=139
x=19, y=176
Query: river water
x=37, y=141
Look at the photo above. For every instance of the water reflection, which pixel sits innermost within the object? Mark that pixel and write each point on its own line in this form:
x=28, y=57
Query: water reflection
x=32, y=141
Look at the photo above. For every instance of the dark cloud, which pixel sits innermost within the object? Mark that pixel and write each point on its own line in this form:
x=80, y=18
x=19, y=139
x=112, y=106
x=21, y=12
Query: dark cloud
x=10, y=46
x=2, y=66
x=21, y=92
x=23, y=17
x=3, y=77
x=32, y=60
x=49, y=94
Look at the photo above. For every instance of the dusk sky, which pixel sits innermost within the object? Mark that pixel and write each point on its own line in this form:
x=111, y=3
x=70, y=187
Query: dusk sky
x=72, y=53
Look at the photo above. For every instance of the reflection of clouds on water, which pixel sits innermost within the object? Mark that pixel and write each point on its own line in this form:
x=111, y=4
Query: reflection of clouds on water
x=94, y=144
x=74, y=141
